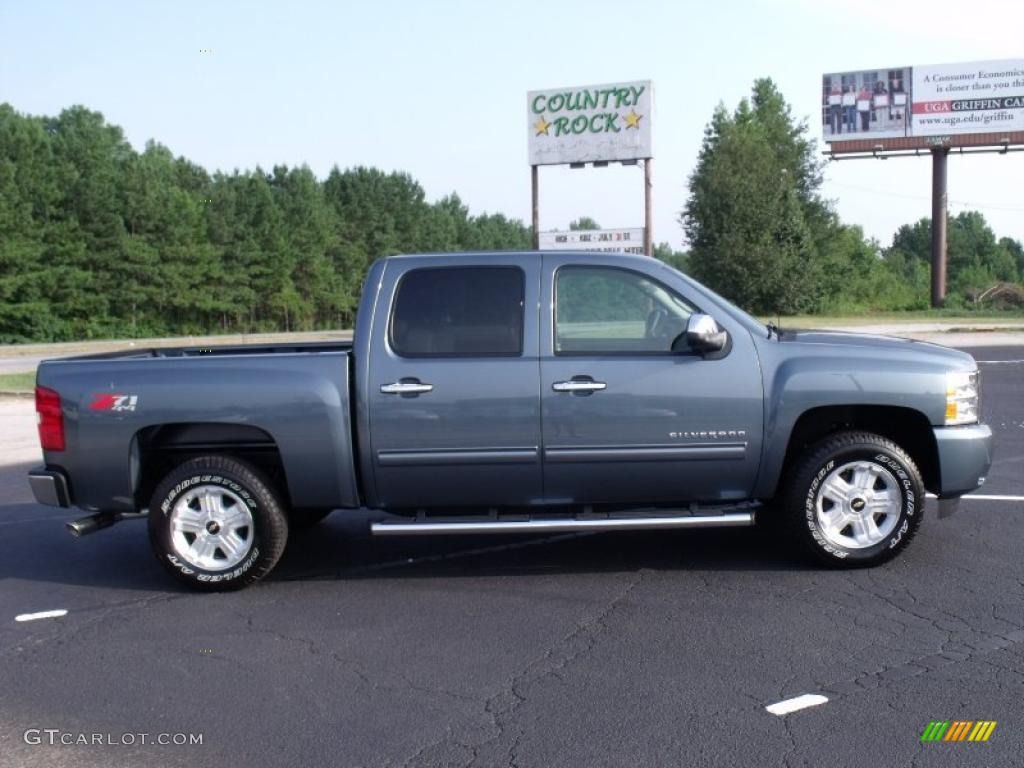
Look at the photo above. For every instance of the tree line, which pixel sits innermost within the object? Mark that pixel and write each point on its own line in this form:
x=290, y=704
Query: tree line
x=98, y=240
x=761, y=233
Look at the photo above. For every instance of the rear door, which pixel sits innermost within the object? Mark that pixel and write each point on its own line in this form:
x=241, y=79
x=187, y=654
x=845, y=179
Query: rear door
x=626, y=419
x=454, y=395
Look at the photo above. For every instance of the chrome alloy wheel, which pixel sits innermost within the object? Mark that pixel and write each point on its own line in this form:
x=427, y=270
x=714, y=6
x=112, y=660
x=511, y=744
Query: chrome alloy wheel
x=858, y=505
x=211, y=528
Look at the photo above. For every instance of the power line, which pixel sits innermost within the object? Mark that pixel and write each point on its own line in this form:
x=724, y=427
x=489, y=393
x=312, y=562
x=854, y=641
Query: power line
x=962, y=203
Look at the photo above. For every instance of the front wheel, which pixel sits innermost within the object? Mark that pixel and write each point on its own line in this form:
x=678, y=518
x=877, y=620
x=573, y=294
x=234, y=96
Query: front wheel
x=854, y=499
x=216, y=523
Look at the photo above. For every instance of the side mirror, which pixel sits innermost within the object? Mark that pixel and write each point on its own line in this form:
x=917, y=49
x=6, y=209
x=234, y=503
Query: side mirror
x=704, y=335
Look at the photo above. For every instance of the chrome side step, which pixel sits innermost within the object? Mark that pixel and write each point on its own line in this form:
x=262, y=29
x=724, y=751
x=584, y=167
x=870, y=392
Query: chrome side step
x=427, y=527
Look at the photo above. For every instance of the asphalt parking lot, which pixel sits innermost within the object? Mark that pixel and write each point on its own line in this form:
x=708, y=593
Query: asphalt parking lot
x=652, y=649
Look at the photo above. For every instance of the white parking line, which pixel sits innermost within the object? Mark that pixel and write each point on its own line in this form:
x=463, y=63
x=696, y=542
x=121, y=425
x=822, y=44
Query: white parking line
x=799, y=702
x=41, y=615
x=999, y=362
x=982, y=497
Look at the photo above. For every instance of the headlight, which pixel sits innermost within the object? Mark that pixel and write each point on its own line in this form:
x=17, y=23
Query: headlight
x=963, y=392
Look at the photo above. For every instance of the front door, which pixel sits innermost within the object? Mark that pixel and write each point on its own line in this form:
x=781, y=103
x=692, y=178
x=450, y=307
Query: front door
x=627, y=420
x=453, y=385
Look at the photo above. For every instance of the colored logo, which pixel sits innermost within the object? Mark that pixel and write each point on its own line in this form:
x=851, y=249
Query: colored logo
x=113, y=402
x=958, y=730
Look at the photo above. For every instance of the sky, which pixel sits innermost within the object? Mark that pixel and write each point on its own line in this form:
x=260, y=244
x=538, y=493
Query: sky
x=438, y=89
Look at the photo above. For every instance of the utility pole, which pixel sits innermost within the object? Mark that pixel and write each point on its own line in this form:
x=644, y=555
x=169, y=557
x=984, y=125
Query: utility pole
x=940, y=156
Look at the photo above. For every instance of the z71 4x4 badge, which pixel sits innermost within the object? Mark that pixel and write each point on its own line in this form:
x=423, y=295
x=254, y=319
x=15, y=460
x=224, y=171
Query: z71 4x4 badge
x=113, y=402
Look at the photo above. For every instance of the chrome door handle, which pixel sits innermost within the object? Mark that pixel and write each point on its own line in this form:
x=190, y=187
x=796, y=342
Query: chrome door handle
x=406, y=388
x=578, y=386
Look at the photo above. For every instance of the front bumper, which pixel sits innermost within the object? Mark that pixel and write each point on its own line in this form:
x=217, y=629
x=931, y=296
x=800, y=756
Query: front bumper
x=50, y=487
x=965, y=455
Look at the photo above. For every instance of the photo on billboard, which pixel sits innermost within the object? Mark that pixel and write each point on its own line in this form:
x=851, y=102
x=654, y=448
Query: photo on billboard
x=869, y=104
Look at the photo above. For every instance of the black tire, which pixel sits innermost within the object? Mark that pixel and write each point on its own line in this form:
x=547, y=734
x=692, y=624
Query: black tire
x=802, y=484
x=300, y=519
x=265, y=539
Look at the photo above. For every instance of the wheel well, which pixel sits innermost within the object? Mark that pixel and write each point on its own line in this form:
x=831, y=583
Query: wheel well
x=906, y=427
x=158, y=449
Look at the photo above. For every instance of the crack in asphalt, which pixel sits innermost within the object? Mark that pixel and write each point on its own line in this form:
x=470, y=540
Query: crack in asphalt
x=318, y=648
x=405, y=562
x=71, y=626
x=501, y=707
x=959, y=640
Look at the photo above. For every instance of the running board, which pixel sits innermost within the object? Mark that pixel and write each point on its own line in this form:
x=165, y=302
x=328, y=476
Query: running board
x=426, y=527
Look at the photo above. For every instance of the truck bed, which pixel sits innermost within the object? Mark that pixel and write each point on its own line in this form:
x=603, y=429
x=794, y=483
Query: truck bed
x=294, y=399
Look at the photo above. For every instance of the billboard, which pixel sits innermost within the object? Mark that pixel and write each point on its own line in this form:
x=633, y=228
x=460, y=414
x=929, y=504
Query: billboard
x=922, y=101
x=604, y=240
x=590, y=123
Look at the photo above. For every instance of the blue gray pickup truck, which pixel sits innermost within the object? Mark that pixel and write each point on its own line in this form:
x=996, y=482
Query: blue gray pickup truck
x=515, y=392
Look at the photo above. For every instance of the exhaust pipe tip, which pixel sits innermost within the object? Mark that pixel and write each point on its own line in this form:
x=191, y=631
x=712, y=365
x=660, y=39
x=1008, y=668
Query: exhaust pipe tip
x=90, y=524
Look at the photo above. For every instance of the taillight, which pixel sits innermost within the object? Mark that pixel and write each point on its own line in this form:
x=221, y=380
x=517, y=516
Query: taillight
x=51, y=419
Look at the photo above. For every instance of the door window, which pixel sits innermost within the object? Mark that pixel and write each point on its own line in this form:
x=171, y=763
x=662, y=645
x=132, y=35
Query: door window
x=605, y=310
x=459, y=312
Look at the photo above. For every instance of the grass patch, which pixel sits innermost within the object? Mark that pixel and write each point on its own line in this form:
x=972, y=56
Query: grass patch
x=17, y=383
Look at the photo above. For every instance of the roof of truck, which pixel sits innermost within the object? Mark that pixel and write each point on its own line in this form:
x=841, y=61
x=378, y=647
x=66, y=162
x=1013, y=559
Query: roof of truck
x=534, y=254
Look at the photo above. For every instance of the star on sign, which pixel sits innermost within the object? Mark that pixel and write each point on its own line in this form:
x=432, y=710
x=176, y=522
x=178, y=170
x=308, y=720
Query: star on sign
x=633, y=119
x=541, y=126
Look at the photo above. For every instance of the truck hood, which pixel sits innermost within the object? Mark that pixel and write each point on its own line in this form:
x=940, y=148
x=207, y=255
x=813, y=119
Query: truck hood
x=885, y=345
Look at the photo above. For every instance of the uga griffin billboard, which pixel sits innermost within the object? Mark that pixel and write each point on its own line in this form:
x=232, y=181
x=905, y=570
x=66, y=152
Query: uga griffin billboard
x=590, y=123
x=921, y=101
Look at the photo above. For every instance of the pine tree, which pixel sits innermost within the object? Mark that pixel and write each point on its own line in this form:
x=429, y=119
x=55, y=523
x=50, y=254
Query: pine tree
x=745, y=215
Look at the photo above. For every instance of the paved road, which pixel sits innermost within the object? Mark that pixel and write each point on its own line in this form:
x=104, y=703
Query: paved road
x=595, y=650
x=19, y=364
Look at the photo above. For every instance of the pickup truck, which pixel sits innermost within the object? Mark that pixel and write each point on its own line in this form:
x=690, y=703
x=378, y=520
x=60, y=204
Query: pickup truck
x=515, y=392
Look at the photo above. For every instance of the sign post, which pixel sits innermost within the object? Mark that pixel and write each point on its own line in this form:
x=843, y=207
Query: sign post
x=535, y=206
x=934, y=109
x=648, y=228
x=595, y=124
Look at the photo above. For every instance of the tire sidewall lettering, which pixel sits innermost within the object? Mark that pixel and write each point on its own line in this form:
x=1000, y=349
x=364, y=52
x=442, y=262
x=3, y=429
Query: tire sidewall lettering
x=810, y=511
x=213, y=578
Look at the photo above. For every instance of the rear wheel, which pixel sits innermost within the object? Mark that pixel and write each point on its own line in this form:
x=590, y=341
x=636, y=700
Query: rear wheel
x=216, y=523
x=853, y=499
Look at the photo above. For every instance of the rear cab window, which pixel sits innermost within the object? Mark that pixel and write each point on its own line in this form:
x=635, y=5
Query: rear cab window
x=458, y=312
